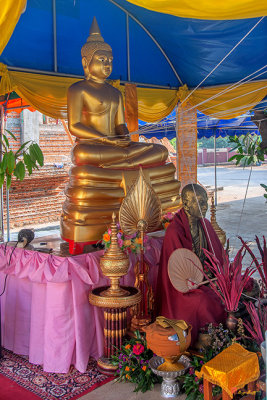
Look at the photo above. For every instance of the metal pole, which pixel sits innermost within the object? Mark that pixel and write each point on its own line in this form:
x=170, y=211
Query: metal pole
x=1, y=189
x=55, y=34
x=128, y=48
x=7, y=215
x=177, y=142
x=215, y=168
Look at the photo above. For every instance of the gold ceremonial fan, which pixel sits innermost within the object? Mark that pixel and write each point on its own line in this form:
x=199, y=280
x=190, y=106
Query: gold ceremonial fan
x=141, y=208
x=185, y=270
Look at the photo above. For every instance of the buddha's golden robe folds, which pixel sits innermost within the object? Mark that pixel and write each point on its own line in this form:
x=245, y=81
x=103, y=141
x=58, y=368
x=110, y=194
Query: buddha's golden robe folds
x=103, y=172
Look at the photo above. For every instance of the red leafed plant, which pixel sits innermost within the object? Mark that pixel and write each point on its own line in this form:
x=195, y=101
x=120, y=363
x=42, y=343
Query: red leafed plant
x=230, y=280
x=258, y=324
x=261, y=267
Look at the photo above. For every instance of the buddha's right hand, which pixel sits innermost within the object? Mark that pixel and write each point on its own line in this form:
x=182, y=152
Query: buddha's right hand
x=114, y=141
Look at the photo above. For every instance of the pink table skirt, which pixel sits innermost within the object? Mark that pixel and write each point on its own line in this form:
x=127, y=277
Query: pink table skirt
x=45, y=309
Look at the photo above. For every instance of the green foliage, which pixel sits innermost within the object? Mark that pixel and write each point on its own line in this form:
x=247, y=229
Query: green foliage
x=248, y=150
x=132, y=362
x=28, y=156
x=173, y=142
x=208, y=143
x=264, y=187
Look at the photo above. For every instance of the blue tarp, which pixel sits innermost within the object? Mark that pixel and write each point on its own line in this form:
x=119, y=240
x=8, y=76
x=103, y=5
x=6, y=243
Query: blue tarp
x=194, y=47
x=206, y=127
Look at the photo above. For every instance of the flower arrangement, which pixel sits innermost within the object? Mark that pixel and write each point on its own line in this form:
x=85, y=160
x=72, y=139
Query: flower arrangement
x=230, y=281
x=261, y=267
x=258, y=324
x=132, y=362
x=167, y=219
x=220, y=338
x=129, y=244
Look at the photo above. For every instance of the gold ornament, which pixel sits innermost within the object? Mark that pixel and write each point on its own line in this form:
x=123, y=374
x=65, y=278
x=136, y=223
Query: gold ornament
x=220, y=232
x=104, y=158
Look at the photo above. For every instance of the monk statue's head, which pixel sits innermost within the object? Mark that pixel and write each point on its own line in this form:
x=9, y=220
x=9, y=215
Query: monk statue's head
x=96, y=55
x=195, y=200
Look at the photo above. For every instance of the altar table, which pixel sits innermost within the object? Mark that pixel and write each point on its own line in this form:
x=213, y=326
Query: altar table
x=45, y=309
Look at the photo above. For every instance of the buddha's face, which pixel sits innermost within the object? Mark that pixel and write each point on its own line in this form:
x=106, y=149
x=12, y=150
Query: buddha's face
x=196, y=205
x=100, y=66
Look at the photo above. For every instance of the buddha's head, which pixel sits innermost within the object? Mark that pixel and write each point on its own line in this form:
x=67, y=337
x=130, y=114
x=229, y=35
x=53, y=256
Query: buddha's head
x=96, y=56
x=195, y=200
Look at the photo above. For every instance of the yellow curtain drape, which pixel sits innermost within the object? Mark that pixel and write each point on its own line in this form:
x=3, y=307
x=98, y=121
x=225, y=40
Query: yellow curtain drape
x=206, y=9
x=48, y=94
x=9, y=16
x=231, y=102
x=155, y=104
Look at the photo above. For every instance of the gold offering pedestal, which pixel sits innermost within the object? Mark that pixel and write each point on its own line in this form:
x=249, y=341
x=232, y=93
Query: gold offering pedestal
x=114, y=299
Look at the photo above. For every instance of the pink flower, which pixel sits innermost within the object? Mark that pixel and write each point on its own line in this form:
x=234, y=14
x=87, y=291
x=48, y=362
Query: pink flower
x=169, y=216
x=196, y=379
x=191, y=371
x=120, y=242
x=138, y=349
x=200, y=388
x=109, y=231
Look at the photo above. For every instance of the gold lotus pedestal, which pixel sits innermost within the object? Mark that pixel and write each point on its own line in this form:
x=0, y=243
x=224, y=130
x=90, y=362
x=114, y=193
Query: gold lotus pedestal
x=114, y=299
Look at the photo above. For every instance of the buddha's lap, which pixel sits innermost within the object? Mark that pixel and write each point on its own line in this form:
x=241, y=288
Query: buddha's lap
x=95, y=154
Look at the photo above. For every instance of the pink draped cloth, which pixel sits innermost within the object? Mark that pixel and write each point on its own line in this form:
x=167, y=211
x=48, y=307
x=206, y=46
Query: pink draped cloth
x=45, y=308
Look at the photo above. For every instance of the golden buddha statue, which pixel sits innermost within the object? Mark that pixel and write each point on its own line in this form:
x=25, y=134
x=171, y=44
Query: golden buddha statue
x=106, y=161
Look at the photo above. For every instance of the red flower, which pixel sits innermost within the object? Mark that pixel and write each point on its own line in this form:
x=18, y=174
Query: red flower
x=138, y=349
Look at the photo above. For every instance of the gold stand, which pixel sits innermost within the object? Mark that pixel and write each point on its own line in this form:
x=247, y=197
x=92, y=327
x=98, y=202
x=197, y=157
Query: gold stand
x=220, y=232
x=115, y=300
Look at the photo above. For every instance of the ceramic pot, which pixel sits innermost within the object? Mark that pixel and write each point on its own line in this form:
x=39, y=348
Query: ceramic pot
x=263, y=351
x=162, y=342
x=203, y=341
x=231, y=320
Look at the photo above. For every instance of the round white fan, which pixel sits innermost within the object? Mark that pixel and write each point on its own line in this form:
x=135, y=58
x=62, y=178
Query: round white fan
x=185, y=270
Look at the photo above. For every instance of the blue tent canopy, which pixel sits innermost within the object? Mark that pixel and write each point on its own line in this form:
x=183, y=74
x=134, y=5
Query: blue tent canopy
x=206, y=127
x=163, y=49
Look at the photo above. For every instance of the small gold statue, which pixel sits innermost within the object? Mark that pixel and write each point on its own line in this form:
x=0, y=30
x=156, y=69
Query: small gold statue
x=105, y=160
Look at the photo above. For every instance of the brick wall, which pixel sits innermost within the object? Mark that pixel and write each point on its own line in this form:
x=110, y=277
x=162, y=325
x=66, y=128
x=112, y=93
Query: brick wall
x=38, y=198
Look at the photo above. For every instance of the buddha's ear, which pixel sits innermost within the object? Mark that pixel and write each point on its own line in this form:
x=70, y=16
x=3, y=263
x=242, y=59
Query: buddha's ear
x=85, y=66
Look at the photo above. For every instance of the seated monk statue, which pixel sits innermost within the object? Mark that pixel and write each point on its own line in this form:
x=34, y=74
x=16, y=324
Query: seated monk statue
x=106, y=161
x=190, y=230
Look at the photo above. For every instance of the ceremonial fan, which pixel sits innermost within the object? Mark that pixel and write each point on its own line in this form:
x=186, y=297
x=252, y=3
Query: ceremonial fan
x=141, y=212
x=185, y=270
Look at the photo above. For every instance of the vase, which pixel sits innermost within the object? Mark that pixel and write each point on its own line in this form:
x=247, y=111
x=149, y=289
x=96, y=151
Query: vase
x=263, y=351
x=231, y=320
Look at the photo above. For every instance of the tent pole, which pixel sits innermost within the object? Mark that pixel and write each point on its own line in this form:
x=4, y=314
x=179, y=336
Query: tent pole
x=55, y=34
x=215, y=168
x=1, y=189
x=128, y=48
